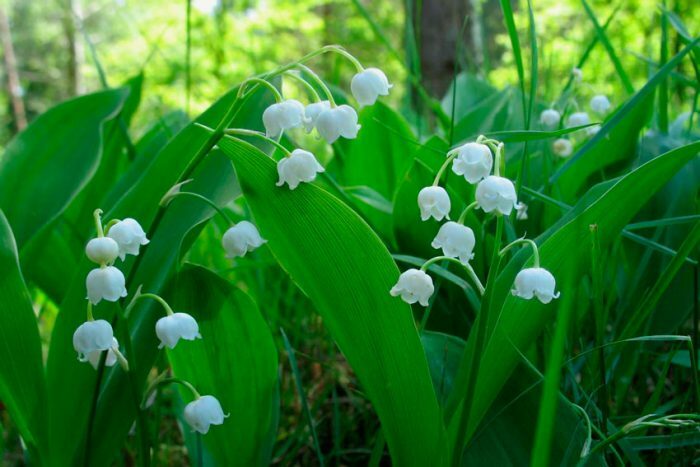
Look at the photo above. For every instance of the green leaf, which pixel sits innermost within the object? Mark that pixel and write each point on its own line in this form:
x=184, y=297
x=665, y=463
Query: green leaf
x=22, y=384
x=521, y=321
x=48, y=164
x=235, y=361
x=346, y=271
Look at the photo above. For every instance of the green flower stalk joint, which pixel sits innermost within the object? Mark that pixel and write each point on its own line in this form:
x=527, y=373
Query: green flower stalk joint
x=535, y=281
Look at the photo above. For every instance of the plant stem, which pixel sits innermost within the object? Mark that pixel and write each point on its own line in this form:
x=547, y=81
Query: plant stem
x=535, y=250
x=263, y=82
x=98, y=222
x=257, y=134
x=470, y=271
x=211, y=203
x=305, y=84
x=463, y=216
x=450, y=157
x=139, y=296
x=318, y=81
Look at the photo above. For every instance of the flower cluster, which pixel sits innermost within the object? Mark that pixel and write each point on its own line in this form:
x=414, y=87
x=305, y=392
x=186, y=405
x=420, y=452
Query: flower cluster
x=330, y=121
x=118, y=239
x=551, y=118
x=494, y=194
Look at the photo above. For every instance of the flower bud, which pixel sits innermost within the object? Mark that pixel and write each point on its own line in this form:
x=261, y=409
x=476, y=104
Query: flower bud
x=368, y=85
x=335, y=122
x=535, y=282
x=95, y=356
x=562, y=147
x=600, y=104
x=577, y=119
x=129, y=236
x=456, y=241
x=414, y=286
x=550, y=118
x=92, y=336
x=311, y=113
x=204, y=412
x=434, y=201
x=473, y=161
x=283, y=116
x=300, y=166
x=170, y=329
x=241, y=238
x=106, y=283
x=102, y=250
x=496, y=194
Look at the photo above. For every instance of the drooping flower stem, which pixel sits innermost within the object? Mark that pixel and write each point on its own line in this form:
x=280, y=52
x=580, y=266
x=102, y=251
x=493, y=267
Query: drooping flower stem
x=470, y=271
x=310, y=89
x=89, y=311
x=263, y=82
x=467, y=210
x=160, y=381
x=318, y=81
x=139, y=295
x=450, y=157
x=535, y=250
x=257, y=134
x=98, y=222
x=341, y=51
x=211, y=203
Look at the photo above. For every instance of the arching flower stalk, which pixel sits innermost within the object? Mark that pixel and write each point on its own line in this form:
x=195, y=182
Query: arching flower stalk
x=534, y=281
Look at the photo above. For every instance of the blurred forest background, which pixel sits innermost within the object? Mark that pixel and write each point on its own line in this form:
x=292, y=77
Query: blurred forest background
x=51, y=47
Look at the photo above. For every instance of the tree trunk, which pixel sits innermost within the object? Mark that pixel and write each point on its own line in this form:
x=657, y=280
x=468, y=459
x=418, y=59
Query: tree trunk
x=74, y=46
x=14, y=89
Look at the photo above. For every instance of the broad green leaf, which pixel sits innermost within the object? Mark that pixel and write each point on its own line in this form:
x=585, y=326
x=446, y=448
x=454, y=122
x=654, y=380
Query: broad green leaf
x=236, y=361
x=346, y=271
x=48, y=164
x=470, y=92
x=22, y=383
x=521, y=321
x=71, y=384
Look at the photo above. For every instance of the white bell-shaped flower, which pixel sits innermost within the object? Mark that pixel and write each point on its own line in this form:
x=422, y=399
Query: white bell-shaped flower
x=600, y=104
x=578, y=74
x=456, y=241
x=496, y=194
x=577, y=119
x=203, y=412
x=283, y=116
x=171, y=328
x=368, y=85
x=129, y=235
x=241, y=238
x=562, y=147
x=106, y=283
x=94, y=356
x=311, y=113
x=550, y=118
x=102, y=250
x=434, y=201
x=300, y=166
x=474, y=161
x=535, y=282
x=335, y=122
x=414, y=286
x=92, y=336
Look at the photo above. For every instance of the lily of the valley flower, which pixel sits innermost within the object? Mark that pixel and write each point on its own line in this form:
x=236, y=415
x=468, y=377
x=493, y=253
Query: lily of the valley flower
x=203, y=412
x=456, y=241
x=496, y=193
x=335, y=122
x=535, y=282
x=474, y=161
x=311, y=113
x=283, y=116
x=241, y=238
x=105, y=283
x=600, y=104
x=562, y=147
x=129, y=235
x=577, y=119
x=550, y=118
x=368, y=85
x=434, y=201
x=300, y=166
x=173, y=327
x=94, y=356
x=92, y=336
x=414, y=285
x=102, y=250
